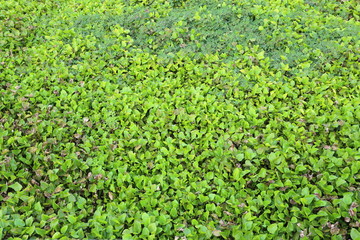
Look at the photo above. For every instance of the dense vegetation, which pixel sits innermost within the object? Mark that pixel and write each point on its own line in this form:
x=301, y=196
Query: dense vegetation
x=175, y=119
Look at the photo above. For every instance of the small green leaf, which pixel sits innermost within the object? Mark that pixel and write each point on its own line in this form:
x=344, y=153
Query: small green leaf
x=272, y=228
x=64, y=229
x=38, y=207
x=347, y=199
x=137, y=227
x=262, y=173
x=54, y=223
x=152, y=227
x=252, y=112
x=16, y=186
x=29, y=221
x=30, y=230
x=127, y=236
x=52, y=176
x=173, y=212
x=248, y=225
x=355, y=234
x=93, y=188
x=162, y=220
x=80, y=202
x=145, y=232
x=40, y=231
x=318, y=232
x=236, y=173
x=146, y=219
x=19, y=222
x=56, y=235
x=72, y=219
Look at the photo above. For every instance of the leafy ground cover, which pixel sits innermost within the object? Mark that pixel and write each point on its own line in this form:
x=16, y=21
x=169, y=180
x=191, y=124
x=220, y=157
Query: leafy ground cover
x=179, y=119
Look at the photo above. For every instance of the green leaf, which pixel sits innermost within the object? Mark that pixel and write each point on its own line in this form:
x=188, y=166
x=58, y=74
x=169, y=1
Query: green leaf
x=127, y=236
x=16, y=186
x=30, y=230
x=72, y=219
x=238, y=234
x=146, y=219
x=252, y=112
x=162, y=220
x=262, y=173
x=52, y=176
x=354, y=234
x=19, y=222
x=40, y=231
x=145, y=232
x=173, y=212
x=272, y=228
x=38, y=207
x=64, y=229
x=236, y=173
x=81, y=202
x=318, y=232
x=56, y=235
x=127, y=233
x=93, y=188
x=29, y=221
x=137, y=227
x=347, y=199
x=152, y=228
x=54, y=224
x=248, y=225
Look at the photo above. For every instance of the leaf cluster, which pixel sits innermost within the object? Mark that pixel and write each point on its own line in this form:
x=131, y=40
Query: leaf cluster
x=179, y=119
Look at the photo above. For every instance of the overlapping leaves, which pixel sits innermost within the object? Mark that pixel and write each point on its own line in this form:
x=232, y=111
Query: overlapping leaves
x=102, y=137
